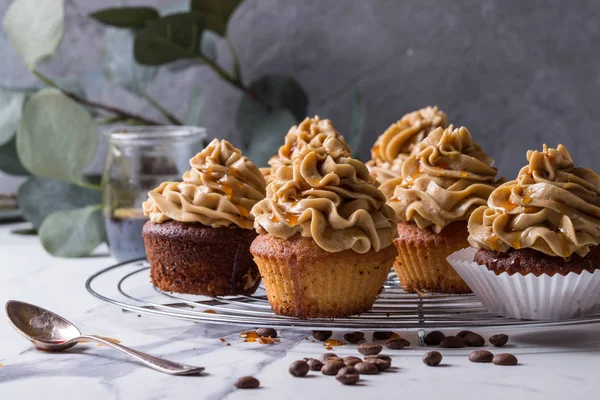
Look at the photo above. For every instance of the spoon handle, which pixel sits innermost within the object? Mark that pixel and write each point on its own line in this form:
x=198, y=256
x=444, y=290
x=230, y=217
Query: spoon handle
x=159, y=364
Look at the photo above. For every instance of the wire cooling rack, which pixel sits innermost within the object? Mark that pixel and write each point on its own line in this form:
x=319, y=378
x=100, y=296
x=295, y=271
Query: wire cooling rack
x=128, y=286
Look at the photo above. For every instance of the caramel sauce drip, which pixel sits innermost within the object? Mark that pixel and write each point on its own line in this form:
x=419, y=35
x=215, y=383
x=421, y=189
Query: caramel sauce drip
x=249, y=335
x=244, y=212
x=333, y=342
x=209, y=311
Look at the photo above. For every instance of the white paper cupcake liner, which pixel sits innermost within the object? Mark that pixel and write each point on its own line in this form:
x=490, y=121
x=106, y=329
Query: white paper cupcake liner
x=519, y=296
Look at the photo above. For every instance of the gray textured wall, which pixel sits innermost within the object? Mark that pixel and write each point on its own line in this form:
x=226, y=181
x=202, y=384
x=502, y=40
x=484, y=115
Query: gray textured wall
x=516, y=73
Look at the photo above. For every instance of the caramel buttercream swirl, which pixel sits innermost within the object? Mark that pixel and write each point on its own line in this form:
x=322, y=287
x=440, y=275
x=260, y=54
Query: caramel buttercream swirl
x=552, y=207
x=219, y=190
x=446, y=178
x=328, y=196
x=396, y=144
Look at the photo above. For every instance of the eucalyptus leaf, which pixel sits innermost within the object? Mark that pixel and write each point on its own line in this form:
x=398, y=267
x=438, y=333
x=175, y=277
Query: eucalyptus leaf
x=56, y=137
x=168, y=39
x=24, y=232
x=216, y=13
x=195, y=103
x=208, y=48
x=269, y=135
x=39, y=197
x=126, y=17
x=35, y=29
x=9, y=159
x=357, y=122
x=11, y=106
x=73, y=233
x=118, y=63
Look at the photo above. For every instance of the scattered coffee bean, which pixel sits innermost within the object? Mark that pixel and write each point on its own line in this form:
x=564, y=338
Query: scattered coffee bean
x=332, y=367
x=481, y=356
x=351, y=361
x=474, y=340
x=505, y=359
x=369, y=349
x=314, y=364
x=322, y=335
x=348, y=376
x=382, y=335
x=299, y=368
x=498, y=340
x=354, y=337
x=268, y=332
x=366, y=368
x=247, y=382
x=380, y=357
x=432, y=358
x=325, y=356
x=452, y=342
x=396, y=344
x=381, y=363
x=434, y=338
x=462, y=334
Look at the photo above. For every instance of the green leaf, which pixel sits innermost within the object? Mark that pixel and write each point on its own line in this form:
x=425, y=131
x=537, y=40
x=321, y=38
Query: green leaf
x=39, y=197
x=216, y=13
x=357, y=122
x=24, y=232
x=73, y=233
x=168, y=39
x=195, y=103
x=56, y=137
x=9, y=159
x=268, y=136
x=35, y=29
x=208, y=48
x=281, y=92
x=126, y=17
x=11, y=106
x=118, y=63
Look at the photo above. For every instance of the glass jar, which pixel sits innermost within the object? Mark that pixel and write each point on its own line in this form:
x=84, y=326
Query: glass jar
x=139, y=159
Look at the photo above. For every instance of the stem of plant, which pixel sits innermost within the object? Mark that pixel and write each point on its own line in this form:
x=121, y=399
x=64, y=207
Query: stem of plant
x=173, y=119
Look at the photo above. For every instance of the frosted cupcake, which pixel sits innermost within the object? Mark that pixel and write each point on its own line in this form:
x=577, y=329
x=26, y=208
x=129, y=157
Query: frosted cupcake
x=396, y=144
x=200, y=230
x=442, y=183
x=325, y=243
x=535, y=244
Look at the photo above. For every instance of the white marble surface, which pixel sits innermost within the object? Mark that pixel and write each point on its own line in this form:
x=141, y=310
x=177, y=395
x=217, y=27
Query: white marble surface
x=555, y=364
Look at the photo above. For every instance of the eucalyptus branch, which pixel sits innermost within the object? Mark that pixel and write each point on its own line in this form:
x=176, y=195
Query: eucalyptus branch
x=237, y=74
x=172, y=118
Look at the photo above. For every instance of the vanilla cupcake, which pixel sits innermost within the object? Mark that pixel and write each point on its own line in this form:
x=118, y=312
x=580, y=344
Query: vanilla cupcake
x=396, y=144
x=535, y=243
x=442, y=183
x=325, y=243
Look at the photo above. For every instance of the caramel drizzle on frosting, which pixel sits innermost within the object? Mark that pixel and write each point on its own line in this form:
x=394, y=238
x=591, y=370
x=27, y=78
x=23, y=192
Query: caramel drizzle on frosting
x=219, y=190
x=552, y=207
x=447, y=177
x=330, y=197
x=396, y=144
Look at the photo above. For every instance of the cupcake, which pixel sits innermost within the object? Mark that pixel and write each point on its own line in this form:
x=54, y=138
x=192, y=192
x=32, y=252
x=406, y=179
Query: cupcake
x=535, y=244
x=442, y=183
x=396, y=144
x=200, y=230
x=325, y=243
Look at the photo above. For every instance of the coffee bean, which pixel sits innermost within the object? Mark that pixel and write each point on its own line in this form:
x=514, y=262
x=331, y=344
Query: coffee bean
x=369, y=349
x=354, y=337
x=505, y=359
x=452, y=342
x=325, y=356
x=332, y=367
x=351, y=361
x=432, y=358
x=314, y=364
x=382, y=335
x=366, y=368
x=474, y=340
x=434, y=338
x=498, y=340
x=348, y=376
x=270, y=332
x=463, y=334
x=380, y=357
x=299, y=368
x=322, y=335
x=396, y=344
x=247, y=382
x=481, y=356
x=381, y=363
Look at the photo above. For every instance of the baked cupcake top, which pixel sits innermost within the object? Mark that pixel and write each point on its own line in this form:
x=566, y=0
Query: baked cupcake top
x=552, y=207
x=219, y=190
x=395, y=145
x=447, y=177
x=328, y=196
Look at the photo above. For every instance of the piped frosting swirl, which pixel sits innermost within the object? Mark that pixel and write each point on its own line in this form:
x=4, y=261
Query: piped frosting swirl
x=219, y=190
x=552, y=207
x=328, y=196
x=447, y=177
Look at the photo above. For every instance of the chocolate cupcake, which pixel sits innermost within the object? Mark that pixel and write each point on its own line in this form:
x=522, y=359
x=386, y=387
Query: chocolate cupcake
x=200, y=230
x=324, y=248
x=442, y=183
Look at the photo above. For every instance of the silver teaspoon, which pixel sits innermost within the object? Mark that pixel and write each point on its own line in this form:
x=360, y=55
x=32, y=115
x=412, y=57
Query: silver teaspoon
x=51, y=332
